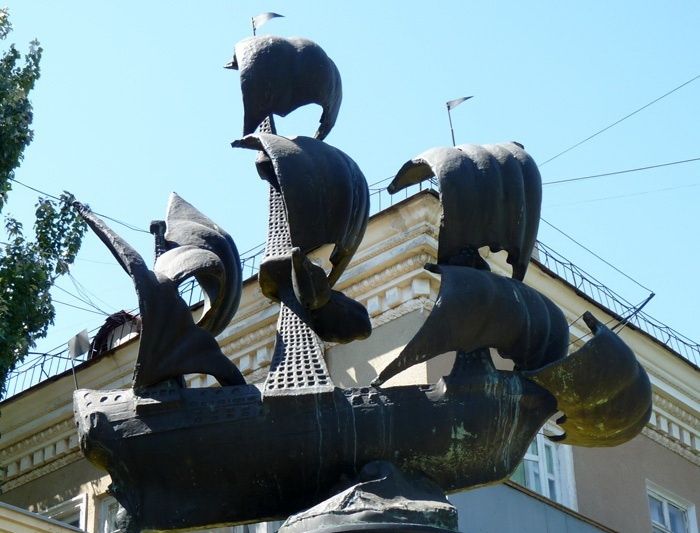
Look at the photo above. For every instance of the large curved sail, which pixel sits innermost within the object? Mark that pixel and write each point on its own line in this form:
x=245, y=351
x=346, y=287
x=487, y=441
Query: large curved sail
x=601, y=388
x=198, y=247
x=491, y=196
x=279, y=75
x=478, y=309
x=325, y=194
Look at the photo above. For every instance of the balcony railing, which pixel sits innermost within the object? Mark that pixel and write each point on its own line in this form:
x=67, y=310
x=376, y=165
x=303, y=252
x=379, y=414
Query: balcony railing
x=39, y=367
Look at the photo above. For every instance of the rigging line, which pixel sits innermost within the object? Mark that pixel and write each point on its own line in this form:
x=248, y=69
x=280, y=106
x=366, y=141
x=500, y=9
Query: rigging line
x=606, y=128
x=122, y=223
x=618, y=196
x=77, y=307
x=626, y=171
x=634, y=313
x=595, y=254
x=590, y=333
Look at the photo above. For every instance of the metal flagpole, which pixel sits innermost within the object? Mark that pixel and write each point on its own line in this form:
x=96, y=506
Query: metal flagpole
x=449, y=117
x=451, y=104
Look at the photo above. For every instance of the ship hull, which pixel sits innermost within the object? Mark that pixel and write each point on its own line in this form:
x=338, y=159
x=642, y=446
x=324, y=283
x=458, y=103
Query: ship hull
x=183, y=458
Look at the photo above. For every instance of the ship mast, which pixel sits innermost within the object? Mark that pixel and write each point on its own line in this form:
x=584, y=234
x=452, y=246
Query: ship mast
x=298, y=365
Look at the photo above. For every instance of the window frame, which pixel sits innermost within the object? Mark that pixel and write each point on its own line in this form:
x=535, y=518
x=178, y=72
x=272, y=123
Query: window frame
x=667, y=497
x=76, y=505
x=563, y=475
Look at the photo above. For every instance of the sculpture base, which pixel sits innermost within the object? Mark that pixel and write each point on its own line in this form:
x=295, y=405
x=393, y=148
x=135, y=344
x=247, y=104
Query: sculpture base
x=383, y=528
x=383, y=499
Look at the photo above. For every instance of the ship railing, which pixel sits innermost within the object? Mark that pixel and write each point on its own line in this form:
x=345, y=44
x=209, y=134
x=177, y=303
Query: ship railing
x=620, y=308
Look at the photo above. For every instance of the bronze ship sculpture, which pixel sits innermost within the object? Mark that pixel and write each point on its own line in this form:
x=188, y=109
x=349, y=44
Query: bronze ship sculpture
x=240, y=453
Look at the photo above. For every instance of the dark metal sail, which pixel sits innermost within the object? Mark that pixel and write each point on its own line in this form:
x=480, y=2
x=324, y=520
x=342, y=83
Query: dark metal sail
x=326, y=201
x=491, y=196
x=601, y=388
x=171, y=344
x=477, y=309
x=196, y=246
x=279, y=75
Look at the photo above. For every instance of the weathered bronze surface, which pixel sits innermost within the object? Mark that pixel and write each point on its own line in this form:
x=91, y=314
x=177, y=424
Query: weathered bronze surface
x=239, y=453
x=227, y=455
x=279, y=75
x=383, y=499
x=171, y=344
x=475, y=309
x=490, y=196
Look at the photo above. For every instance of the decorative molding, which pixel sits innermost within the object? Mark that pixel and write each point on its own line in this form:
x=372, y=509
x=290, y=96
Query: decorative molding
x=672, y=444
x=675, y=409
x=415, y=262
x=36, y=440
x=403, y=309
x=43, y=470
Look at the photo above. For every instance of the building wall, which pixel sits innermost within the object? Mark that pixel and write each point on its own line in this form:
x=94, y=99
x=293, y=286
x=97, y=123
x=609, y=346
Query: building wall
x=612, y=481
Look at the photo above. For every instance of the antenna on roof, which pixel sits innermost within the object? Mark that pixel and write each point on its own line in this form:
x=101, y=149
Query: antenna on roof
x=77, y=346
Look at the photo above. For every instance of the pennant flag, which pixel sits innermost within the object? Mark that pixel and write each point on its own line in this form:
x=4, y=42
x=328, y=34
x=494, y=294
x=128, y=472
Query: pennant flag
x=454, y=103
x=262, y=18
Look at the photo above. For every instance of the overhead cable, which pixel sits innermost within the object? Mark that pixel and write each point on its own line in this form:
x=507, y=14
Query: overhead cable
x=595, y=255
x=606, y=128
x=616, y=172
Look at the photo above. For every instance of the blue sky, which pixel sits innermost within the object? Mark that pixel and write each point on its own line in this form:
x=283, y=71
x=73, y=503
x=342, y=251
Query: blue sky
x=133, y=103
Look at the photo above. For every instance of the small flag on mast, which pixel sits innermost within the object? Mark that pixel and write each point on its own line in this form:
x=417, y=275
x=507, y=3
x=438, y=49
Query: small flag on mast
x=454, y=103
x=262, y=18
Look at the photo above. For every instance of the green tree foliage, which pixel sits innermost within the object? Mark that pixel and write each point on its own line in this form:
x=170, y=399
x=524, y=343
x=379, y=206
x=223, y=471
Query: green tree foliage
x=28, y=267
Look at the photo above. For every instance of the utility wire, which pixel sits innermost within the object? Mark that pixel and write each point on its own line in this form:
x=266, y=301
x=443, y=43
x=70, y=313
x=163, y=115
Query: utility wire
x=77, y=307
x=626, y=171
x=87, y=294
x=44, y=193
x=606, y=128
x=88, y=302
x=595, y=254
x=619, y=196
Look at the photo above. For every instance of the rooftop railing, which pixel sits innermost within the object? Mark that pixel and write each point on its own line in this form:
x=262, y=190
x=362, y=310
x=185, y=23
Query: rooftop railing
x=38, y=367
x=619, y=306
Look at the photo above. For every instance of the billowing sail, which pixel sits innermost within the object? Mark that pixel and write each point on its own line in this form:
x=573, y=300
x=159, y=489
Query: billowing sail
x=198, y=247
x=601, y=388
x=478, y=309
x=325, y=194
x=491, y=196
x=279, y=75
x=171, y=344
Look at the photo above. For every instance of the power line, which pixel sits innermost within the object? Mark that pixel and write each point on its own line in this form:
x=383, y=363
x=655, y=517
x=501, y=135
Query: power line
x=629, y=195
x=595, y=254
x=77, y=307
x=626, y=171
x=86, y=301
x=54, y=197
x=606, y=128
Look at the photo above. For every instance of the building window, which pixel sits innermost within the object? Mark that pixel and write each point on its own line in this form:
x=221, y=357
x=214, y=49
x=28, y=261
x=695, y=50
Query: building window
x=71, y=512
x=547, y=469
x=668, y=512
x=109, y=507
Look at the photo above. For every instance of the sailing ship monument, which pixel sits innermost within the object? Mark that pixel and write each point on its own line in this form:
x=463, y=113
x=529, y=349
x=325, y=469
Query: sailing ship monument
x=238, y=453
